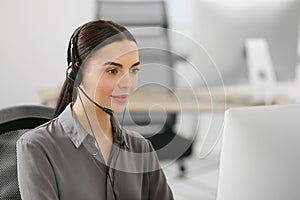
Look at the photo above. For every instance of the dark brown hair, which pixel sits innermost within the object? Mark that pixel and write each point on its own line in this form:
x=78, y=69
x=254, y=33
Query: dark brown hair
x=92, y=36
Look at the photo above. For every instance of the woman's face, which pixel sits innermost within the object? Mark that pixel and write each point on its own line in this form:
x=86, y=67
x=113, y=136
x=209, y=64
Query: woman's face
x=110, y=75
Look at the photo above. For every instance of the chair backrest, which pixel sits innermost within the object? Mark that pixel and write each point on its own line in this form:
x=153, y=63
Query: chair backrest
x=133, y=13
x=14, y=122
x=147, y=21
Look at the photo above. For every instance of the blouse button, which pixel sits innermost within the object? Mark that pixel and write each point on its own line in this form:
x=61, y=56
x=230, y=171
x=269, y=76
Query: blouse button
x=91, y=140
x=95, y=153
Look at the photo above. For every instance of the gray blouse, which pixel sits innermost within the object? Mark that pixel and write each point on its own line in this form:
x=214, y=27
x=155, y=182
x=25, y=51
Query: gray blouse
x=59, y=160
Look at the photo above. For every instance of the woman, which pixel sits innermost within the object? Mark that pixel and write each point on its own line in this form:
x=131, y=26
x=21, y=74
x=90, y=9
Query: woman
x=84, y=153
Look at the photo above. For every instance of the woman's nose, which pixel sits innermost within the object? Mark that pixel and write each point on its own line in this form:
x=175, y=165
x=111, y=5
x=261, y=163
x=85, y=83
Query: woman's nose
x=125, y=81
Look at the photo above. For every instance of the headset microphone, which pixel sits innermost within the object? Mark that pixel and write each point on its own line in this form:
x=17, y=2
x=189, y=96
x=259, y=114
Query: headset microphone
x=70, y=76
x=107, y=110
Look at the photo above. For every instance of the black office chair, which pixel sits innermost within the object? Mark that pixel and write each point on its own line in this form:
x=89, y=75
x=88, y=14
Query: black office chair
x=14, y=122
x=147, y=21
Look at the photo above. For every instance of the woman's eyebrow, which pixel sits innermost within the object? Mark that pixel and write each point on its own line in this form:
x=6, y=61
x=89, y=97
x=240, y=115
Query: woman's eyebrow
x=119, y=64
x=112, y=63
x=135, y=64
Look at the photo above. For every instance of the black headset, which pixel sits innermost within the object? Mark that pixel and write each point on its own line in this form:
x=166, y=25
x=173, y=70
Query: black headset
x=73, y=73
x=74, y=76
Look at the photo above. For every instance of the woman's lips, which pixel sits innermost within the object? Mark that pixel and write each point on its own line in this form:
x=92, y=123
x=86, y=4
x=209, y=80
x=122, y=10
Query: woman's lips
x=120, y=98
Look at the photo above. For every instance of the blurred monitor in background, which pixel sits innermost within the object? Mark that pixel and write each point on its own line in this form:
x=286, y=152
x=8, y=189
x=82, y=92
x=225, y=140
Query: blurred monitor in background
x=224, y=28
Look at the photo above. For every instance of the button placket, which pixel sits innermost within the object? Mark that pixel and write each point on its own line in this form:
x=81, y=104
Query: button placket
x=91, y=140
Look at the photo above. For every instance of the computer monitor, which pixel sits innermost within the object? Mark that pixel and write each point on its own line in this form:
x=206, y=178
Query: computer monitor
x=260, y=154
x=223, y=27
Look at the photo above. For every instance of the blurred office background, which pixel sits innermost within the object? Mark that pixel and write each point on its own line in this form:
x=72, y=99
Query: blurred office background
x=33, y=45
x=35, y=36
x=34, y=40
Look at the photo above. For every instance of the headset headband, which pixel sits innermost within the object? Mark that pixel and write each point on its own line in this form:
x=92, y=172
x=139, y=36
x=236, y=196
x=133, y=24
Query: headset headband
x=74, y=61
x=74, y=57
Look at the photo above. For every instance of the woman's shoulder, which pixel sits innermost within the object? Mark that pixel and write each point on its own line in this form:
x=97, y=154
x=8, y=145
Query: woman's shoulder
x=40, y=134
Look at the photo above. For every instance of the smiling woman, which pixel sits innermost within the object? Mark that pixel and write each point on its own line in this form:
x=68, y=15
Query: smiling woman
x=83, y=153
x=111, y=74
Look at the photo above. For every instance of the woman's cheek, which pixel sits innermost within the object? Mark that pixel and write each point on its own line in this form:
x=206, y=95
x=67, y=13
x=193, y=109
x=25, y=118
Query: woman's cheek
x=105, y=87
x=134, y=84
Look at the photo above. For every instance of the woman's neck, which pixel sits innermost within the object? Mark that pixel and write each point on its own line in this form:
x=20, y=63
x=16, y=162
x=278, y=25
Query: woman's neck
x=93, y=119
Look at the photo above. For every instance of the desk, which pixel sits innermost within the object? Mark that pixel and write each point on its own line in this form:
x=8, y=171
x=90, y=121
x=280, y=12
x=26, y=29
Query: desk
x=199, y=100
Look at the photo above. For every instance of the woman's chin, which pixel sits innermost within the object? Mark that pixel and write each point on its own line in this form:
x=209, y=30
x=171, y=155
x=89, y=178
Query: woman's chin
x=118, y=108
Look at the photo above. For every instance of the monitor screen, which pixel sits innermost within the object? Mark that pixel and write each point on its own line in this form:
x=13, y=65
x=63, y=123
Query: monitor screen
x=223, y=27
x=259, y=155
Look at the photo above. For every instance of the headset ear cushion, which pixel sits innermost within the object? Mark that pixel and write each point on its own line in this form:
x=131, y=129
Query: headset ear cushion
x=74, y=75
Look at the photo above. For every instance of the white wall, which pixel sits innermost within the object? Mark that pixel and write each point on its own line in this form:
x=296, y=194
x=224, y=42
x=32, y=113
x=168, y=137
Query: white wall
x=34, y=37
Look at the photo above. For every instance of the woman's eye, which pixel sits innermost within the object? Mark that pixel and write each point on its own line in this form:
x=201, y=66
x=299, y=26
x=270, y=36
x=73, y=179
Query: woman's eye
x=135, y=70
x=112, y=71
